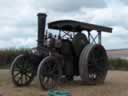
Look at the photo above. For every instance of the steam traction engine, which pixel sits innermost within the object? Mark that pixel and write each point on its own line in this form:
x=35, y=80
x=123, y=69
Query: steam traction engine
x=67, y=52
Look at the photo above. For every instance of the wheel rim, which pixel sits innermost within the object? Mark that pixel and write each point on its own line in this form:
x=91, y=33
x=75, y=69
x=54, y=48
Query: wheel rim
x=49, y=74
x=22, y=71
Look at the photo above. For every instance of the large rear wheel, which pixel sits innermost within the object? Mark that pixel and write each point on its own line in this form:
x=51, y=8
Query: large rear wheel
x=93, y=65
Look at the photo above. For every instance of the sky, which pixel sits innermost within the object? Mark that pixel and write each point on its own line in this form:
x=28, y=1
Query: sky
x=18, y=19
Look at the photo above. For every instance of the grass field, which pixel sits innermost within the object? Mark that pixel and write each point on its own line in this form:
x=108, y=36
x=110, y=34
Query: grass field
x=116, y=84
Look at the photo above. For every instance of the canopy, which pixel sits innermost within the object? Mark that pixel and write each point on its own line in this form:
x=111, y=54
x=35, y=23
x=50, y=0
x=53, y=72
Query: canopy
x=76, y=26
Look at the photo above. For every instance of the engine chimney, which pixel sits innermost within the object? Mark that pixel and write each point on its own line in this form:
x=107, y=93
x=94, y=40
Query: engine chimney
x=41, y=29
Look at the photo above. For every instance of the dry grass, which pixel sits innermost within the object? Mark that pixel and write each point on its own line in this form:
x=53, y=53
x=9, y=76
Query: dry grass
x=116, y=84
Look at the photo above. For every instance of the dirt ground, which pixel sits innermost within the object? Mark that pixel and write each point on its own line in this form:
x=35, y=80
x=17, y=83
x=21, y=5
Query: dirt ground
x=116, y=84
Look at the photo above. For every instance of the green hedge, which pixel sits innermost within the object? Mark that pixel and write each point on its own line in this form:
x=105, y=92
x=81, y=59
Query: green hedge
x=7, y=56
x=118, y=64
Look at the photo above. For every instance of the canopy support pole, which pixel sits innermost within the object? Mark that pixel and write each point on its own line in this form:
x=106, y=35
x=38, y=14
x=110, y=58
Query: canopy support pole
x=89, y=35
x=99, y=37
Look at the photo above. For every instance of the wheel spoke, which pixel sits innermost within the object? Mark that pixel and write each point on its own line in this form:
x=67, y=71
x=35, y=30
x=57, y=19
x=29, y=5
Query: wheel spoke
x=18, y=66
x=26, y=78
x=15, y=75
x=99, y=68
x=27, y=75
x=45, y=82
x=92, y=76
x=43, y=72
x=48, y=83
x=54, y=67
x=29, y=70
x=51, y=83
x=19, y=79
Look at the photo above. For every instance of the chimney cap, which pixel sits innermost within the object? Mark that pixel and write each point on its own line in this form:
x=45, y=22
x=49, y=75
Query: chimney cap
x=42, y=14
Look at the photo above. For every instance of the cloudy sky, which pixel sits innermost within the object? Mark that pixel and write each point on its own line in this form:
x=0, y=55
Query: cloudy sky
x=18, y=20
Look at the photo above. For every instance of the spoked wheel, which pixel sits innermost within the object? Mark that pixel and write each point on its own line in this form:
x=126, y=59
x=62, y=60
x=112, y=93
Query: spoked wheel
x=22, y=71
x=93, y=65
x=49, y=72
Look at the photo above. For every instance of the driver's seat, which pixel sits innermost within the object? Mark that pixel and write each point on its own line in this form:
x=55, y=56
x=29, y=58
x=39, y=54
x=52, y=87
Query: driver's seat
x=79, y=41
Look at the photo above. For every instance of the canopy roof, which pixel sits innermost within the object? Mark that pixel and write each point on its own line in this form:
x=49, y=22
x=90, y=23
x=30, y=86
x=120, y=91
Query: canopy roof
x=76, y=26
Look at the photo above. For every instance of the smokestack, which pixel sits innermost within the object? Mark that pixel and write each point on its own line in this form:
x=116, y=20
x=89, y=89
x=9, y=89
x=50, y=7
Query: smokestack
x=41, y=29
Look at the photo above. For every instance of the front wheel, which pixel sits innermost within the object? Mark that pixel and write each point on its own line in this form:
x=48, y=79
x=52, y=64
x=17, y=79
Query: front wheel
x=22, y=71
x=49, y=72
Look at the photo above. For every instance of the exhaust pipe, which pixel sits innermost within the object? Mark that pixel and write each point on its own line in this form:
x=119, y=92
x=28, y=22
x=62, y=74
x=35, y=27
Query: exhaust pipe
x=41, y=29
